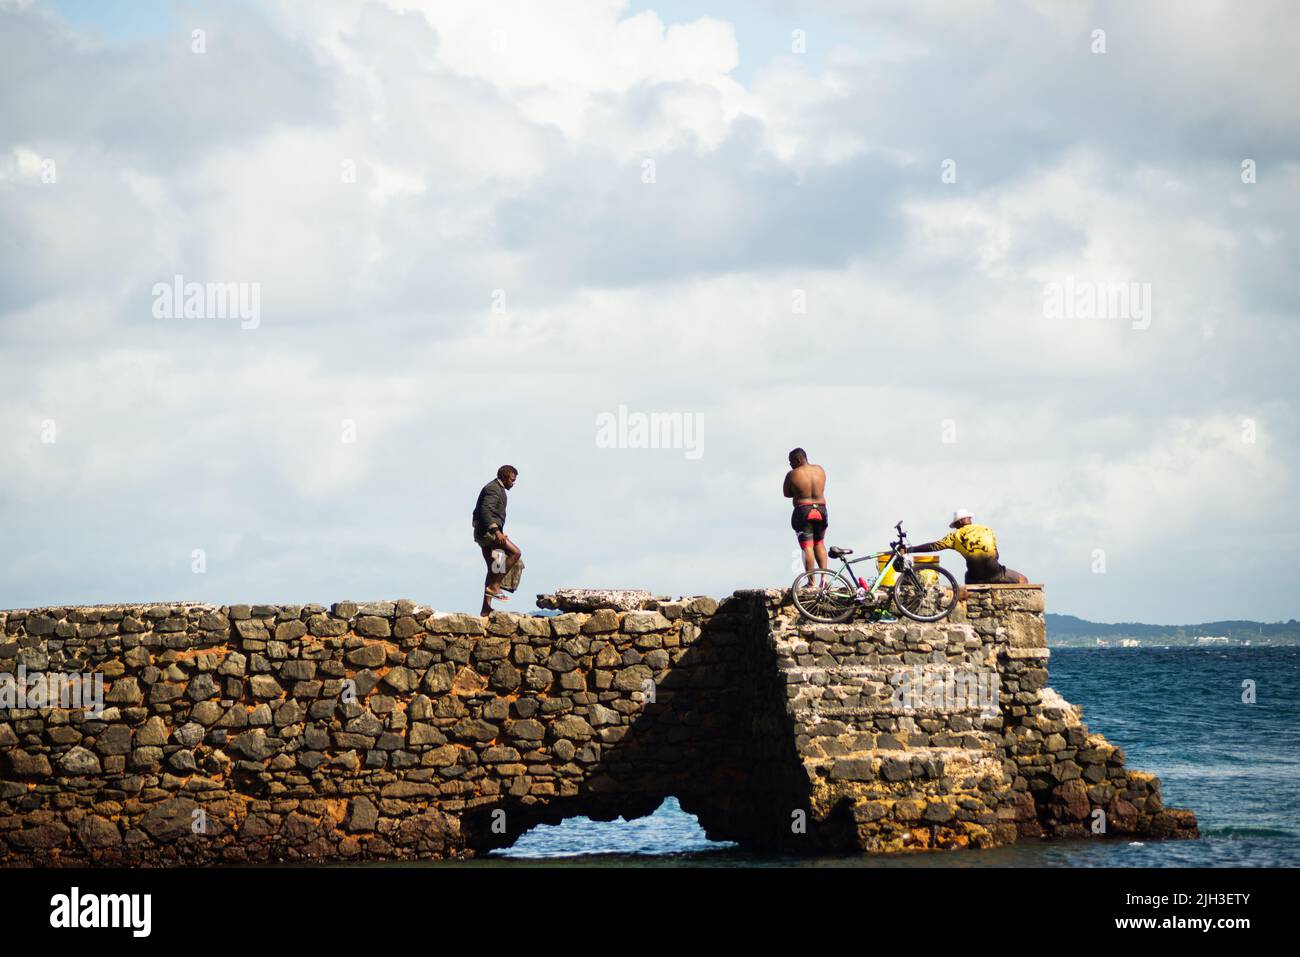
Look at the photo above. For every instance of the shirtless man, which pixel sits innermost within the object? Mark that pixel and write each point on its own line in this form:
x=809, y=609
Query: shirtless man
x=806, y=484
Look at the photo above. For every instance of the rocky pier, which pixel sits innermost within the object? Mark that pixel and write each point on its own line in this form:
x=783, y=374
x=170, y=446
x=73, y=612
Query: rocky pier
x=387, y=730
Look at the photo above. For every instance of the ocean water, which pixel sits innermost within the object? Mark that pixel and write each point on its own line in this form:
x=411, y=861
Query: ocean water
x=1177, y=713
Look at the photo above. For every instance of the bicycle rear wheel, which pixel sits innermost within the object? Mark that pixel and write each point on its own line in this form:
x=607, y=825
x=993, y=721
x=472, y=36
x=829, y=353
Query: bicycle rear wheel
x=925, y=593
x=823, y=595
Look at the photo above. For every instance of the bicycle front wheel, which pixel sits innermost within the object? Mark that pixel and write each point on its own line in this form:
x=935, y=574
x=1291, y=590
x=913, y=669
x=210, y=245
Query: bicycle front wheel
x=925, y=592
x=823, y=595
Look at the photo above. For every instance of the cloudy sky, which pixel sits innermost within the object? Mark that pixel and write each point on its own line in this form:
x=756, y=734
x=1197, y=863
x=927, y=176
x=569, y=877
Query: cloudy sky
x=476, y=228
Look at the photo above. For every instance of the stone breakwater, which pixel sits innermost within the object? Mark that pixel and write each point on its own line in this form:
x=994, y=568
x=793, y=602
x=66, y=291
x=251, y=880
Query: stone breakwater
x=385, y=730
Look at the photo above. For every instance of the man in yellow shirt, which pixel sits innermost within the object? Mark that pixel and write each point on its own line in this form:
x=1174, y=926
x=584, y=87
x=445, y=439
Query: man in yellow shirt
x=979, y=546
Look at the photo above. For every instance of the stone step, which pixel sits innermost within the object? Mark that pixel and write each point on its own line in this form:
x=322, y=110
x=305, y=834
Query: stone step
x=882, y=672
x=853, y=708
x=910, y=764
x=898, y=742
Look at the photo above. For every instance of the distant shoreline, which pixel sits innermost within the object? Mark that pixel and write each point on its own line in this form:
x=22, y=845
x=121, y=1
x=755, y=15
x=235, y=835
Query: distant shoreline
x=1074, y=641
x=1069, y=631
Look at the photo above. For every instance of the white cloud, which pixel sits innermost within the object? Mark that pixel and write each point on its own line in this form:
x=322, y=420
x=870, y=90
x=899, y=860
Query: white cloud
x=498, y=147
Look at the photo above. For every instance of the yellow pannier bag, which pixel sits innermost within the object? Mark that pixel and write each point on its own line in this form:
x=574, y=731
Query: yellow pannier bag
x=921, y=559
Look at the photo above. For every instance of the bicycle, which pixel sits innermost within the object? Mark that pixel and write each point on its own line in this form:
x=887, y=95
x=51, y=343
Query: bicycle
x=922, y=594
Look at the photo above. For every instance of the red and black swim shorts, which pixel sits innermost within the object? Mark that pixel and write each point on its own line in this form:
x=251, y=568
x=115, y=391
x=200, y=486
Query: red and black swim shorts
x=809, y=523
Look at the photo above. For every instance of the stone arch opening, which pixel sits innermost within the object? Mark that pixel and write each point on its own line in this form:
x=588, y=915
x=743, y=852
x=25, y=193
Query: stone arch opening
x=712, y=739
x=668, y=829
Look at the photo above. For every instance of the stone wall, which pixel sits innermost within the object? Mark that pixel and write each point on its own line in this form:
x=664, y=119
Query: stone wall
x=942, y=770
x=385, y=730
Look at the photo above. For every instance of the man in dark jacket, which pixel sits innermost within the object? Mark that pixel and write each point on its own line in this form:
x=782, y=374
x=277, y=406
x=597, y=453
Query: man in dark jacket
x=500, y=554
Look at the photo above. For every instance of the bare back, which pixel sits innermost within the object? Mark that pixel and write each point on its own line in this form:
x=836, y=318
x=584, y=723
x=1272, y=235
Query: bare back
x=807, y=484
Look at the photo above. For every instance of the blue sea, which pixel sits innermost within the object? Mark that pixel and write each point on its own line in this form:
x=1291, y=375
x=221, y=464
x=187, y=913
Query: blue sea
x=1177, y=713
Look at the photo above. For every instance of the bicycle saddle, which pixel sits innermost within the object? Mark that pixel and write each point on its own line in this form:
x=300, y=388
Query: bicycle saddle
x=835, y=552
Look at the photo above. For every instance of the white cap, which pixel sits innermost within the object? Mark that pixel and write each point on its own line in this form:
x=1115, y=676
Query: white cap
x=958, y=515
